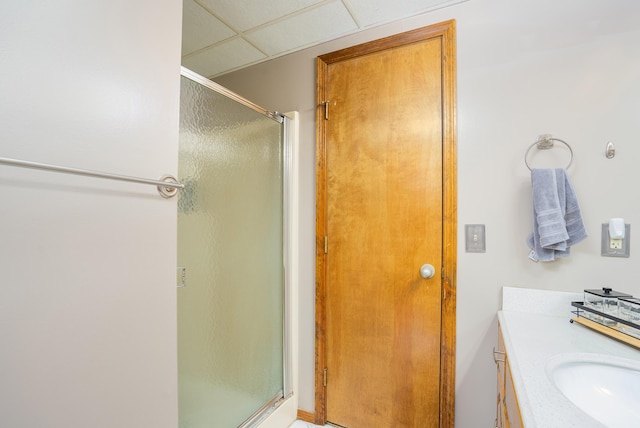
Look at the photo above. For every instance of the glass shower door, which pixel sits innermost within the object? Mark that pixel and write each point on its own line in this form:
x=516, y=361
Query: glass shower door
x=230, y=243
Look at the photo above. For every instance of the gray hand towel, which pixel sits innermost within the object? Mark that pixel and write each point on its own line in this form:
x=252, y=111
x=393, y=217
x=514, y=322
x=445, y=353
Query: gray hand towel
x=557, y=220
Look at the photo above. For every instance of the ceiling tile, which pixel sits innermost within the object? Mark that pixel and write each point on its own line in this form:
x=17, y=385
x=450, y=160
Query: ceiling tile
x=370, y=12
x=223, y=57
x=200, y=28
x=220, y=36
x=245, y=14
x=322, y=23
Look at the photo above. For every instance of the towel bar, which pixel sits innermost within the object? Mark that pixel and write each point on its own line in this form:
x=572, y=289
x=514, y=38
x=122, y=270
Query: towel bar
x=167, y=185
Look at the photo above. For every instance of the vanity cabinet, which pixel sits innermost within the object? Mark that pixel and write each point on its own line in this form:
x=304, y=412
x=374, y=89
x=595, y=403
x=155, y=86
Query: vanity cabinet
x=507, y=411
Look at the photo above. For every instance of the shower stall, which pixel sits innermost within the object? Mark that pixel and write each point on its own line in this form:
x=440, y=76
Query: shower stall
x=235, y=258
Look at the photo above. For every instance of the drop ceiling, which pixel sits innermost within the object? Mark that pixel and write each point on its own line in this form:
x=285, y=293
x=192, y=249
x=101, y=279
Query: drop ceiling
x=220, y=36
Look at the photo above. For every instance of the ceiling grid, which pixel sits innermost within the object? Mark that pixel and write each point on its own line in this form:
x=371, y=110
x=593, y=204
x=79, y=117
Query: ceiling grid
x=220, y=36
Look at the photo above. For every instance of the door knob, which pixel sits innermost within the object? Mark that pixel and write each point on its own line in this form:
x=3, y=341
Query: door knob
x=427, y=271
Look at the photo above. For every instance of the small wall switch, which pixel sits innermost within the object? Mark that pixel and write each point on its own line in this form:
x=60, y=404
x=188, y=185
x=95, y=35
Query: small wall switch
x=615, y=247
x=474, y=238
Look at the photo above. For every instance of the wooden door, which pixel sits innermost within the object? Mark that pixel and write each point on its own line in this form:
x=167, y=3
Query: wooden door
x=385, y=148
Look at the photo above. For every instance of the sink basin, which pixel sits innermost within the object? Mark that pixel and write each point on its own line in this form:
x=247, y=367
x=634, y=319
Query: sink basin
x=606, y=388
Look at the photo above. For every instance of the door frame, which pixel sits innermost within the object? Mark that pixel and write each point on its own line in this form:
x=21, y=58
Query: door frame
x=446, y=32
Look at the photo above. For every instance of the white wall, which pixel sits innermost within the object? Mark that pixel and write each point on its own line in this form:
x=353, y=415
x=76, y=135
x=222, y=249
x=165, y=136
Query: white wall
x=87, y=299
x=524, y=68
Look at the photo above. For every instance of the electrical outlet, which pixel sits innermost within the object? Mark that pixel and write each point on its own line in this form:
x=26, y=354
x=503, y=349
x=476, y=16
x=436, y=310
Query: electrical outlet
x=615, y=247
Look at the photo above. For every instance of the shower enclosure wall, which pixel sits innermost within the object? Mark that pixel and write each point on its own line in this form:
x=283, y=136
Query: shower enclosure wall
x=234, y=330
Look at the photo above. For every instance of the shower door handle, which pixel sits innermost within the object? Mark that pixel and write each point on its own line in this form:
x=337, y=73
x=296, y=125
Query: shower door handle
x=427, y=271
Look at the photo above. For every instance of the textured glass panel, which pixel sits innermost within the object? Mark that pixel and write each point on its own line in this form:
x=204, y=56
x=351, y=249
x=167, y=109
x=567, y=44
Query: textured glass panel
x=230, y=240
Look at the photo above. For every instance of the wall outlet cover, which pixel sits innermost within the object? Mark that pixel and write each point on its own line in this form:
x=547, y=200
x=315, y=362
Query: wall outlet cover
x=615, y=247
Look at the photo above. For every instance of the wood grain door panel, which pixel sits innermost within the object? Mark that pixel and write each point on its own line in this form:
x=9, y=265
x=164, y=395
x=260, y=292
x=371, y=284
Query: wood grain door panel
x=384, y=340
x=384, y=220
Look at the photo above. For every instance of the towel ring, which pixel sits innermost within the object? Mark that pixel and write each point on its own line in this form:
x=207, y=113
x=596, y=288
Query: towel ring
x=545, y=142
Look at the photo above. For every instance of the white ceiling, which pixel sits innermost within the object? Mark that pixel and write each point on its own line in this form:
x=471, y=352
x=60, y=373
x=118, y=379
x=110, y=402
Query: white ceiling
x=219, y=36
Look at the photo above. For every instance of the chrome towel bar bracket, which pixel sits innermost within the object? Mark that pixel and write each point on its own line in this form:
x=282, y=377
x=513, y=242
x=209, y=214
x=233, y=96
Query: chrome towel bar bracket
x=167, y=185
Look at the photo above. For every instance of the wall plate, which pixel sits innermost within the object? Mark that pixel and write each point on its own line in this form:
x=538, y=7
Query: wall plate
x=623, y=251
x=474, y=238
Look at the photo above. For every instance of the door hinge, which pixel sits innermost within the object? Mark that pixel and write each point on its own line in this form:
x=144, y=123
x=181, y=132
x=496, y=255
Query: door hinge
x=326, y=109
x=324, y=377
x=326, y=244
x=181, y=277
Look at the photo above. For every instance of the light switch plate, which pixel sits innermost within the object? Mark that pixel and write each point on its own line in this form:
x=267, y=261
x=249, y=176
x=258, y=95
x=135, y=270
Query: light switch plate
x=621, y=246
x=474, y=237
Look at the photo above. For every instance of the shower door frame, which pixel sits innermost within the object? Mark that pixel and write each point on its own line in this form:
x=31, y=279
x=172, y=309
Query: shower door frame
x=279, y=411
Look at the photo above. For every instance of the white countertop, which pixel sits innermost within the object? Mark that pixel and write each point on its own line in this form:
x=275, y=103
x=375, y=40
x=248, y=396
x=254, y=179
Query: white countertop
x=535, y=326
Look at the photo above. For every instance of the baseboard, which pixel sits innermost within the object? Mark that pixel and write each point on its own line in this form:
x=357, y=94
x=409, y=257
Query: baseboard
x=305, y=416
